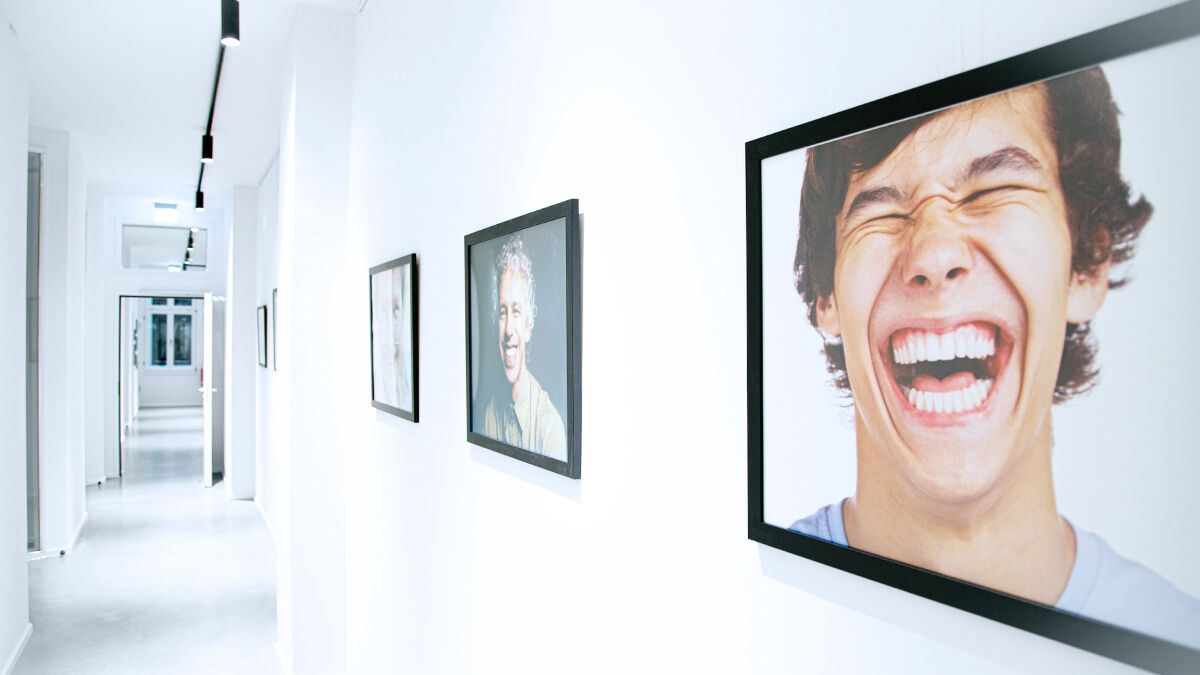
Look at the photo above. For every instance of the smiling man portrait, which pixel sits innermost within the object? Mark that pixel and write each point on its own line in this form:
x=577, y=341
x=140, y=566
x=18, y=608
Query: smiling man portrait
x=952, y=263
x=522, y=413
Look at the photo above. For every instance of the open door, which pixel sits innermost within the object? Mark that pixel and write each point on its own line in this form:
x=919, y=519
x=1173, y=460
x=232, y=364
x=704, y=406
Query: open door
x=214, y=401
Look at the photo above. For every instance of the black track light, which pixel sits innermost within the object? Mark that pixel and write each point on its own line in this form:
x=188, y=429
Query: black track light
x=206, y=153
x=199, y=200
x=231, y=34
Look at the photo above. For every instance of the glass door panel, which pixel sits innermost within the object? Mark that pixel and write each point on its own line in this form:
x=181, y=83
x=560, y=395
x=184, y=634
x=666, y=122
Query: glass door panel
x=183, y=340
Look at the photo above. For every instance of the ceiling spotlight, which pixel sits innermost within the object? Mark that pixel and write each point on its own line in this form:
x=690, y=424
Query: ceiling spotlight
x=231, y=34
x=206, y=153
x=199, y=200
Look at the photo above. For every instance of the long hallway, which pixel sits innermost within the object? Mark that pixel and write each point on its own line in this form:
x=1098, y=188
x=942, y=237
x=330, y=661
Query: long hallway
x=166, y=575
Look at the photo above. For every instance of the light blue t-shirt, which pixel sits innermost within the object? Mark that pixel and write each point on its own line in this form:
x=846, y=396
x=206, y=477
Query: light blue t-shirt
x=1103, y=585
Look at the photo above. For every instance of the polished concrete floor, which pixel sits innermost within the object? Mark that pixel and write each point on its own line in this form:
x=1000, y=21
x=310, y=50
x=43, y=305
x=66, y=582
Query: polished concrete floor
x=167, y=576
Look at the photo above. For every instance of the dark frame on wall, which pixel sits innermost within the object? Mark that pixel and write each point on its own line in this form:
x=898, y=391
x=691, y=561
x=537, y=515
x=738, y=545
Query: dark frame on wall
x=926, y=109
x=394, y=337
x=262, y=335
x=519, y=274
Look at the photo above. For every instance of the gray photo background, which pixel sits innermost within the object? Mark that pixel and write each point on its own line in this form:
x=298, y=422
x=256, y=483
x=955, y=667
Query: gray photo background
x=546, y=352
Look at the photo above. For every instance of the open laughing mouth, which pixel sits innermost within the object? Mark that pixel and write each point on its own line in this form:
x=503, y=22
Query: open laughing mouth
x=946, y=372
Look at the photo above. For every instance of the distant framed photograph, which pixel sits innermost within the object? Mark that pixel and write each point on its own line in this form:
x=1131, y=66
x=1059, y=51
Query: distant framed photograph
x=394, y=381
x=274, y=329
x=523, y=342
x=262, y=335
x=952, y=388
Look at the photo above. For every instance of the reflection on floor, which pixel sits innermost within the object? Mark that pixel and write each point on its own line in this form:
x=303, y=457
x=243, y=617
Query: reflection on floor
x=166, y=577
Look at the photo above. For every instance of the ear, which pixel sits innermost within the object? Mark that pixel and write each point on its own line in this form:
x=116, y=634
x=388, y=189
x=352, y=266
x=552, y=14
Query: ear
x=1086, y=293
x=827, y=316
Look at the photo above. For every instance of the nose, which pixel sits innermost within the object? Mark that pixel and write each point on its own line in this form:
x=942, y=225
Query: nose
x=938, y=252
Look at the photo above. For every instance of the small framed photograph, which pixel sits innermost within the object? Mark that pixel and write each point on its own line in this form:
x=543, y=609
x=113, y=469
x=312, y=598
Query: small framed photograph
x=394, y=382
x=262, y=335
x=969, y=361
x=523, y=342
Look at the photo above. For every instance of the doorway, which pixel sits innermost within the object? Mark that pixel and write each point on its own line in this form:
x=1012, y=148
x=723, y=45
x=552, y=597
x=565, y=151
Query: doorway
x=165, y=361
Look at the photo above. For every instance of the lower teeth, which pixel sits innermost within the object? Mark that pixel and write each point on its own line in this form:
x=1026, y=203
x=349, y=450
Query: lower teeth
x=963, y=400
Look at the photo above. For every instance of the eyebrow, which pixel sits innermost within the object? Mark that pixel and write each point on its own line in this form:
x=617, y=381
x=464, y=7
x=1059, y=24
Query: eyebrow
x=1009, y=158
x=886, y=194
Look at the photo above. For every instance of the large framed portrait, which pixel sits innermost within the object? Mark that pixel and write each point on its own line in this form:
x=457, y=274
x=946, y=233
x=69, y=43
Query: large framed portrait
x=969, y=325
x=523, y=342
x=394, y=337
x=262, y=336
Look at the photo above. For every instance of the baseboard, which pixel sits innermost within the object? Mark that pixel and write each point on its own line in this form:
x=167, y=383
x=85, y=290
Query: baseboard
x=283, y=662
x=16, y=655
x=270, y=526
x=78, y=530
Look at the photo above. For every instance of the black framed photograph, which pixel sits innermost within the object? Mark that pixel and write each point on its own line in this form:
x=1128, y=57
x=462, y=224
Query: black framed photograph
x=394, y=383
x=523, y=342
x=274, y=329
x=262, y=335
x=969, y=319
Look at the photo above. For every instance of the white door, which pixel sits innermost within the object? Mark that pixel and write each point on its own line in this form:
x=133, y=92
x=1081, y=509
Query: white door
x=214, y=400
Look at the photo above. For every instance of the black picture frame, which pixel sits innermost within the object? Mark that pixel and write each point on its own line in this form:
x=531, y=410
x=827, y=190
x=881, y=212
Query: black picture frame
x=546, y=243
x=1165, y=29
x=262, y=335
x=275, y=329
x=393, y=289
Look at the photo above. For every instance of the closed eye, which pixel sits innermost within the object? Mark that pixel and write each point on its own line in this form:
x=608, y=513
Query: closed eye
x=991, y=192
x=984, y=200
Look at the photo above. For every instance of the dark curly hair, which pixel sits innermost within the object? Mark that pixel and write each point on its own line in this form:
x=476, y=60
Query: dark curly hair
x=1104, y=222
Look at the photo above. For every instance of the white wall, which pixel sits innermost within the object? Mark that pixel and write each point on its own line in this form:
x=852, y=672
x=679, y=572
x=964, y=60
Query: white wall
x=61, y=337
x=14, y=148
x=466, y=561
x=107, y=281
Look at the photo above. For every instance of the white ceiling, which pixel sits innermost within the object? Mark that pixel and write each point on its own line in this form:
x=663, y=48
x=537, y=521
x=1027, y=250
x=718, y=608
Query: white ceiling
x=131, y=80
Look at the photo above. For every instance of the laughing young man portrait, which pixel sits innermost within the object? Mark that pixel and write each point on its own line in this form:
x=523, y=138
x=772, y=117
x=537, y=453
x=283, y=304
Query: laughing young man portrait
x=952, y=263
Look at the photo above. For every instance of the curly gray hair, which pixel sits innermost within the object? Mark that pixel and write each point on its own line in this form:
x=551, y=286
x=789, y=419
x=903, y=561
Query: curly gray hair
x=512, y=256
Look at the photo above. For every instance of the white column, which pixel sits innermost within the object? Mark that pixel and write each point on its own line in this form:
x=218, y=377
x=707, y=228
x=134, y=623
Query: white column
x=313, y=334
x=241, y=356
x=61, y=338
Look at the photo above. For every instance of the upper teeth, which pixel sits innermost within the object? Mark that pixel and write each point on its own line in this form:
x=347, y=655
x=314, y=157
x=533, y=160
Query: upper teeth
x=970, y=341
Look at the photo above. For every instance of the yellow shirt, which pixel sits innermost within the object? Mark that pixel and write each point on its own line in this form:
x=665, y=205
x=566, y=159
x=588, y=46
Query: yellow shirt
x=531, y=423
